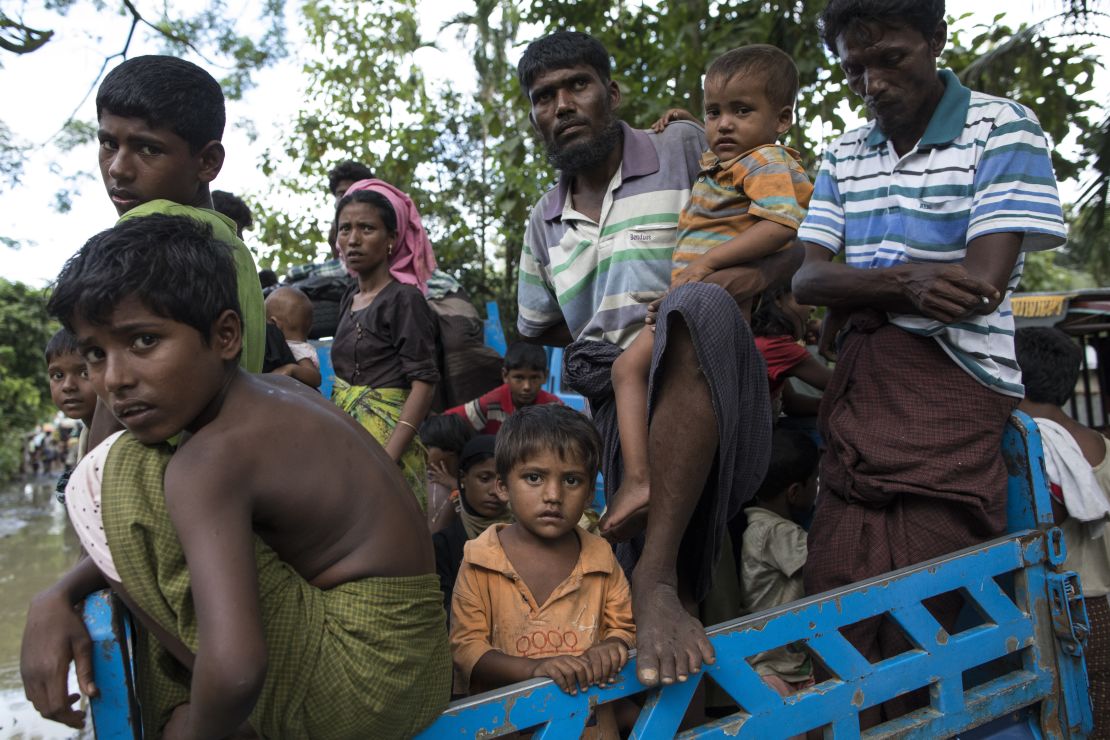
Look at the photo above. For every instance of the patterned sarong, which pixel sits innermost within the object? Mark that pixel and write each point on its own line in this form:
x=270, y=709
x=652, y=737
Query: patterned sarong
x=364, y=659
x=912, y=471
x=378, y=410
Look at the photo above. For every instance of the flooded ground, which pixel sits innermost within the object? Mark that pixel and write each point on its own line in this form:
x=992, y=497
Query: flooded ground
x=36, y=546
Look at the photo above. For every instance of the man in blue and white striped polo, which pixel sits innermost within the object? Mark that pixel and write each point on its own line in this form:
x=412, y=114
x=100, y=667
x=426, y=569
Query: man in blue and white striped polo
x=933, y=204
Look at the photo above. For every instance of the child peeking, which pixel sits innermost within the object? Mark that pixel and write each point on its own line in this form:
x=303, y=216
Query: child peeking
x=71, y=391
x=291, y=311
x=523, y=375
x=774, y=550
x=541, y=596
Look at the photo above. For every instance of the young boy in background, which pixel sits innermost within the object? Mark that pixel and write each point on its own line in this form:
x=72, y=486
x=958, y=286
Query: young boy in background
x=523, y=375
x=541, y=596
x=748, y=203
x=275, y=587
x=70, y=389
x=291, y=311
x=1077, y=460
x=773, y=550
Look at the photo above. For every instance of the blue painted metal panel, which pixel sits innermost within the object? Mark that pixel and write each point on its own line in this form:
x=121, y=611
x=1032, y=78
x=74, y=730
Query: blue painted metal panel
x=495, y=334
x=327, y=372
x=1020, y=625
x=941, y=659
x=114, y=712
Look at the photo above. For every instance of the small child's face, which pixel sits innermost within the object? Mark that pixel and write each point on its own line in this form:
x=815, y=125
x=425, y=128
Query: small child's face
x=449, y=459
x=801, y=504
x=276, y=316
x=547, y=493
x=739, y=117
x=524, y=384
x=157, y=375
x=479, y=485
x=139, y=163
x=70, y=387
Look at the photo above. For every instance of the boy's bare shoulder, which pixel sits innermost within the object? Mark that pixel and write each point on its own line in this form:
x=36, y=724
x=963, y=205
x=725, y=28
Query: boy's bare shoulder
x=253, y=409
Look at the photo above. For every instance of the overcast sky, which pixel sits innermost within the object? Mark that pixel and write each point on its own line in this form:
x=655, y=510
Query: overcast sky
x=48, y=84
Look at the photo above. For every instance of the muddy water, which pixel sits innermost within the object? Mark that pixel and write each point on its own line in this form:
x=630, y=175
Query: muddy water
x=36, y=546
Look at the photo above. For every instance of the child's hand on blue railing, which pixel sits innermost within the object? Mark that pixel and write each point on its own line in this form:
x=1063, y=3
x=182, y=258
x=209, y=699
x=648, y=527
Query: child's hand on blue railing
x=567, y=671
x=606, y=660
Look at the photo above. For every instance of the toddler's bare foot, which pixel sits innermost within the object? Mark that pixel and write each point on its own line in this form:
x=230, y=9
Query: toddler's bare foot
x=670, y=644
x=626, y=516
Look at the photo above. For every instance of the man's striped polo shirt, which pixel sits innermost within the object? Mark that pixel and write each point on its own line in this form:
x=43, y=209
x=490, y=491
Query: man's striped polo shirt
x=982, y=167
x=598, y=275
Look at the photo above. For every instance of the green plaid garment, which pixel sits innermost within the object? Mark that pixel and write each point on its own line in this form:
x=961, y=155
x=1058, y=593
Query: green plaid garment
x=368, y=659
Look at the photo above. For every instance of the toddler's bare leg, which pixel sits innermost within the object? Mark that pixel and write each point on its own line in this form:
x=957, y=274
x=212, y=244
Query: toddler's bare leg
x=627, y=512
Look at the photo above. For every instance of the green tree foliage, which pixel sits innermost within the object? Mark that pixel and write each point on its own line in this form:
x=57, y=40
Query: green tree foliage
x=470, y=161
x=208, y=30
x=466, y=159
x=24, y=392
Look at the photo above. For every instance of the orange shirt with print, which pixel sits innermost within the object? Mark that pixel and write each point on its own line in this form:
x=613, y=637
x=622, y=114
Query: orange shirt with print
x=493, y=609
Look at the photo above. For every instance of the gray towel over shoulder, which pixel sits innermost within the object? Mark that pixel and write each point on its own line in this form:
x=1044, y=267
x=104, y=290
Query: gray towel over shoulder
x=737, y=378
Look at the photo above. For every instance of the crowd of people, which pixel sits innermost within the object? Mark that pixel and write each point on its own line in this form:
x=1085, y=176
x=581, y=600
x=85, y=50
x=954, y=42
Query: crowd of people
x=310, y=567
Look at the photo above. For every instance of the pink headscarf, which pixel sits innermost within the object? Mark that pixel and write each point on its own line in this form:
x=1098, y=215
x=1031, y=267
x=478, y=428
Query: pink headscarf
x=412, y=261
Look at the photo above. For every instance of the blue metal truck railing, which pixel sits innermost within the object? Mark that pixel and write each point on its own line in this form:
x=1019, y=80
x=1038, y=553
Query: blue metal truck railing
x=1019, y=656
x=1039, y=625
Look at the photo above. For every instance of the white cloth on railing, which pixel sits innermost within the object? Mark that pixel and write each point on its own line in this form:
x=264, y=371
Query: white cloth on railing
x=1067, y=468
x=83, y=505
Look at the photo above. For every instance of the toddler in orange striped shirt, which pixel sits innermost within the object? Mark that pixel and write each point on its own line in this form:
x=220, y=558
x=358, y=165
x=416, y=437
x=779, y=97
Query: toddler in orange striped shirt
x=747, y=203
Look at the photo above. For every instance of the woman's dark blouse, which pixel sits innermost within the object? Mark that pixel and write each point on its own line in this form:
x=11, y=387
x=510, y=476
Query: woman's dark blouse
x=388, y=344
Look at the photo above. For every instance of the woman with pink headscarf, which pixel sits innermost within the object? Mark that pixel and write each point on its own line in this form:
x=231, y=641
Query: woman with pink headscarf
x=384, y=347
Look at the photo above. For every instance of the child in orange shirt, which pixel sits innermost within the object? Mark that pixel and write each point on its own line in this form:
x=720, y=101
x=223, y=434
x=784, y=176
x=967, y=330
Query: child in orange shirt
x=541, y=596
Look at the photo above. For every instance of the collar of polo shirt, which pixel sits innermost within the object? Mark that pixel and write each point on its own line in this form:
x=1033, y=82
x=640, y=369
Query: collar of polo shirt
x=948, y=119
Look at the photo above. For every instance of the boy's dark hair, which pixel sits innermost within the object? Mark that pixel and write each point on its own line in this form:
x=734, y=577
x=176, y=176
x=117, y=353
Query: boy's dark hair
x=840, y=16
x=561, y=50
x=794, y=459
x=447, y=432
x=166, y=92
x=1050, y=363
x=267, y=278
x=768, y=319
x=779, y=72
x=479, y=449
x=172, y=264
x=233, y=207
x=552, y=426
x=525, y=356
x=348, y=170
x=374, y=198
x=62, y=343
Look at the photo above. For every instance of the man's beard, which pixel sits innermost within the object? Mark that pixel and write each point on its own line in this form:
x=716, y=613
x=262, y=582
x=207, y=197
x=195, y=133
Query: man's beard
x=584, y=155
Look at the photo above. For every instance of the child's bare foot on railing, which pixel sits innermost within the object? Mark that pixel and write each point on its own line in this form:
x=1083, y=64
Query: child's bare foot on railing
x=626, y=516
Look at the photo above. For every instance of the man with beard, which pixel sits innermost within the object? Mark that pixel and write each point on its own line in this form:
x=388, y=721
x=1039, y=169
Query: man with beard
x=597, y=249
x=934, y=202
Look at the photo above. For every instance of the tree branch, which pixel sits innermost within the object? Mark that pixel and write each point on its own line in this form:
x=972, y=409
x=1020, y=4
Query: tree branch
x=28, y=39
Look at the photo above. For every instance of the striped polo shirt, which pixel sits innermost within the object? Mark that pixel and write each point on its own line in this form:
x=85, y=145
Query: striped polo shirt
x=598, y=276
x=981, y=167
x=766, y=183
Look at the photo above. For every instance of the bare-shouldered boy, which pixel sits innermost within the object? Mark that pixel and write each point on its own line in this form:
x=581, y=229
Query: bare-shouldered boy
x=310, y=605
